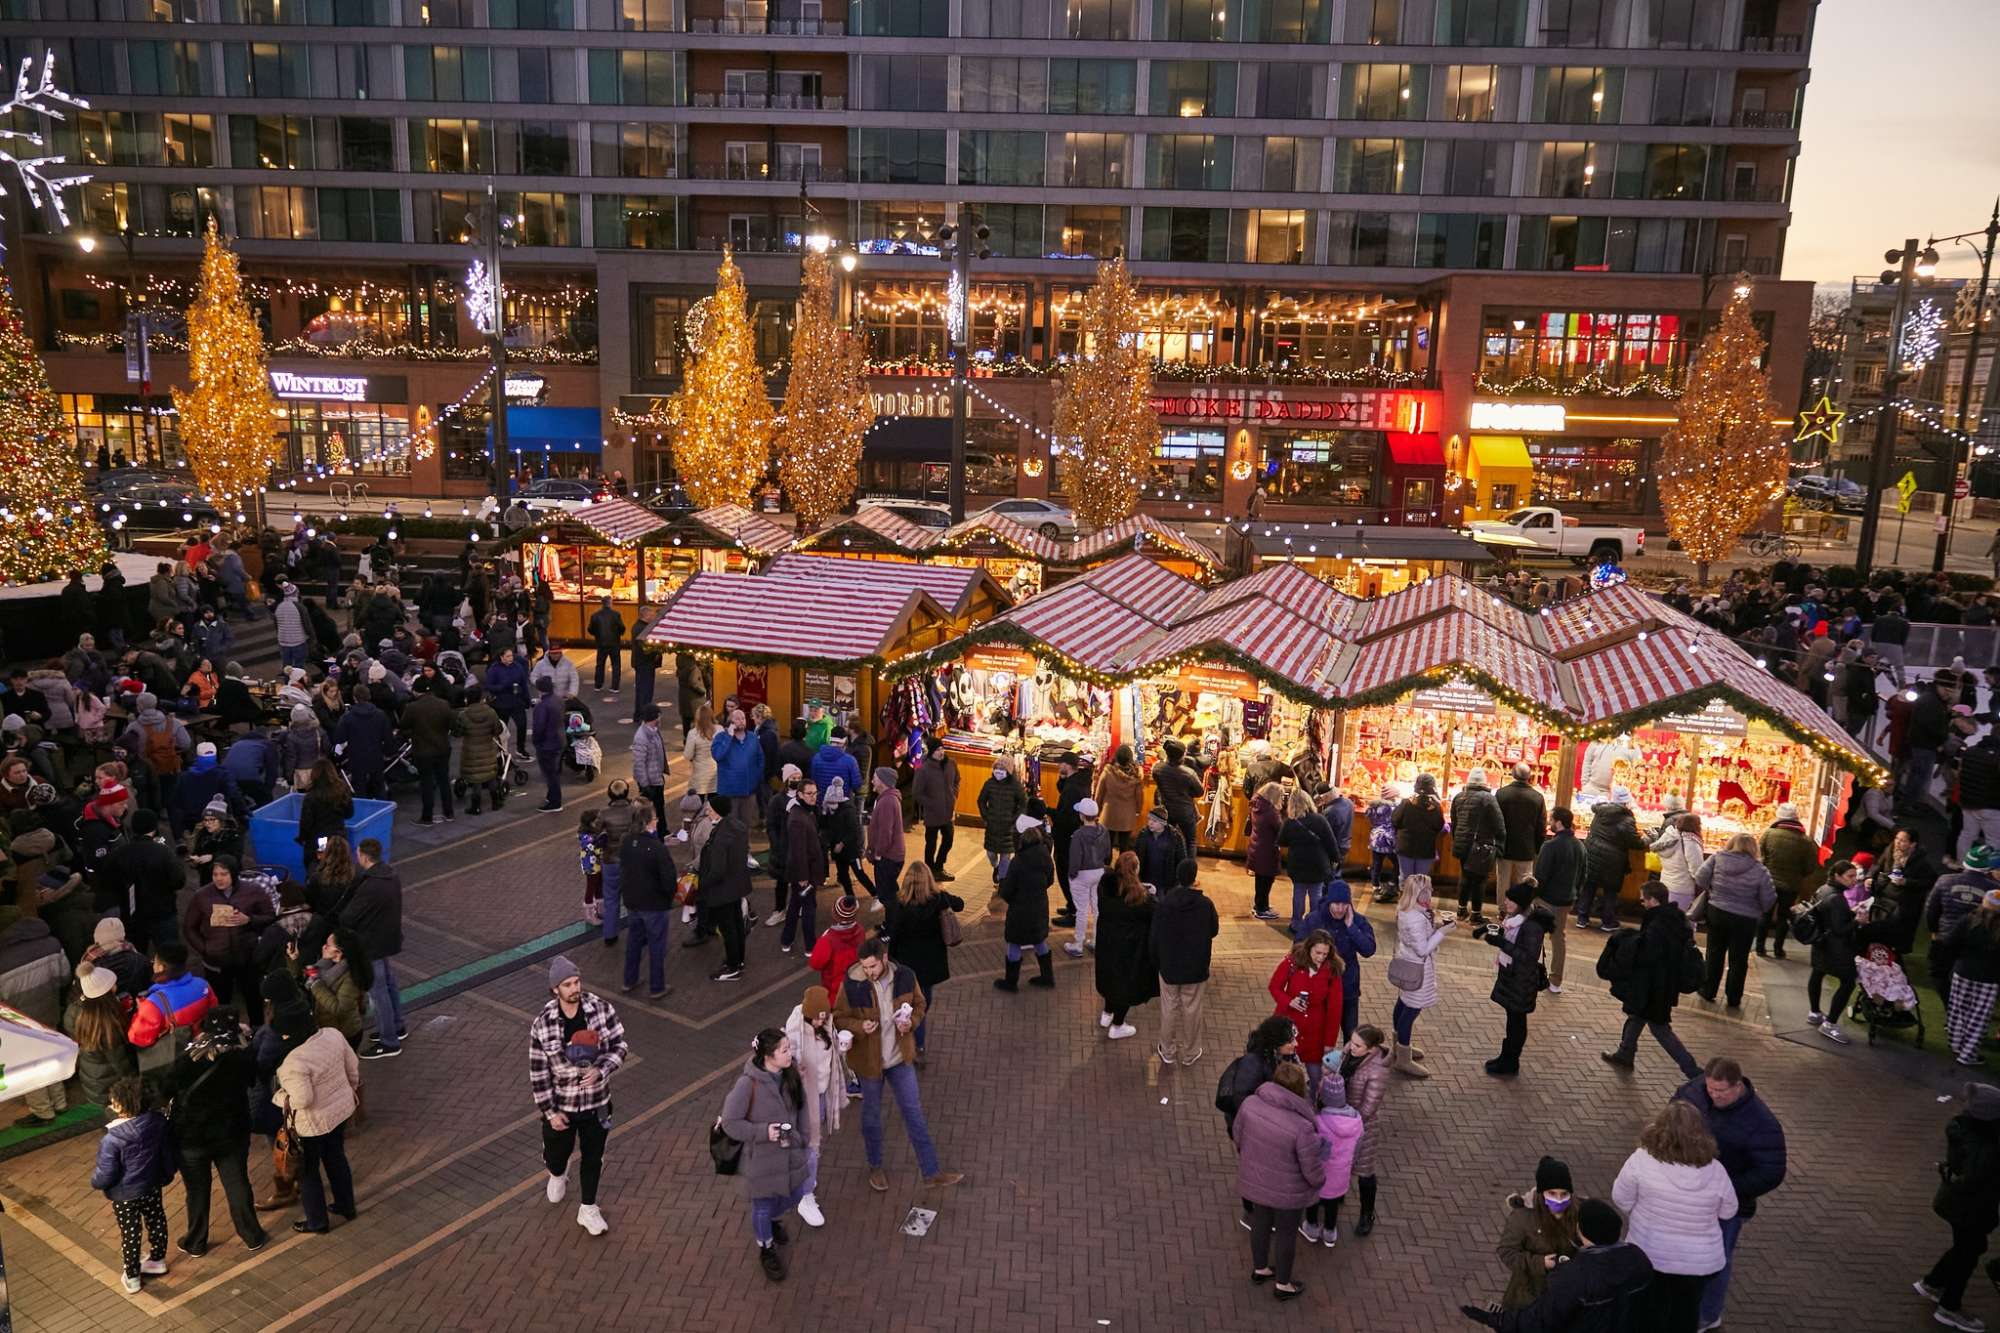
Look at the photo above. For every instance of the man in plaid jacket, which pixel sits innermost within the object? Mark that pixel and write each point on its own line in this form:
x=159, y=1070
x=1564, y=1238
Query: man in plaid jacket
x=575, y=1045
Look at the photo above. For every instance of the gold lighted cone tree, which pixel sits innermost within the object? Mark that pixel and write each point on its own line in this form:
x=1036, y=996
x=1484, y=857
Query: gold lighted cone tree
x=228, y=416
x=46, y=524
x=1724, y=461
x=1102, y=414
x=722, y=415
x=827, y=406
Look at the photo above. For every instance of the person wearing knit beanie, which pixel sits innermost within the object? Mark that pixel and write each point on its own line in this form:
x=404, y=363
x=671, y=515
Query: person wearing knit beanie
x=576, y=1044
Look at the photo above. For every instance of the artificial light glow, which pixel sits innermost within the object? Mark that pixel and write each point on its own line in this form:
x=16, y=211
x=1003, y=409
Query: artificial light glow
x=87, y=243
x=847, y=262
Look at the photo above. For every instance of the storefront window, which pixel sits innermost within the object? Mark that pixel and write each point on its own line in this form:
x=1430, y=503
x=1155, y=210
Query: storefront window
x=118, y=424
x=1189, y=463
x=1596, y=474
x=1419, y=499
x=664, y=348
x=1349, y=334
x=1321, y=467
x=375, y=320
x=1567, y=349
x=1178, y=327
x=366, y=439
x=903, y=321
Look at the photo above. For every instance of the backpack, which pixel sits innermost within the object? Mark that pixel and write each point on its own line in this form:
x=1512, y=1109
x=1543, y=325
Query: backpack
x=1805, y=922
x=1620, y=959
x=1693, y=968
x=157, y=743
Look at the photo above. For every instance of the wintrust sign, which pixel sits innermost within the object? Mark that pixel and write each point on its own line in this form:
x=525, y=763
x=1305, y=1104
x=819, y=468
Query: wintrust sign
x=329, y=388
x=1363, y=410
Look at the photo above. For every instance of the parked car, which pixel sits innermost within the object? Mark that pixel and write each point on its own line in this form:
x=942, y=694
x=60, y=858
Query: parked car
x=670, y=500
x=1044, y=516
x=1540, y=530
x=1841, y=493
x=125, y=478
x=547, y=495
x=156, y=507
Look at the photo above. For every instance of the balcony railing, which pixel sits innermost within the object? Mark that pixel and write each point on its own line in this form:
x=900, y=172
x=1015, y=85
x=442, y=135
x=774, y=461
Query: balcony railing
x=755, y=245
x=770, y=101
x=1762, y=120
x=1785, y=43
x=757, y=171
x=771, y=27
x=1754, y=194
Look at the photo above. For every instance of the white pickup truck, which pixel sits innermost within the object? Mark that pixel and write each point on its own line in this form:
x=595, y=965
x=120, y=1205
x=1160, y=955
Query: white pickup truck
x=1540, y=530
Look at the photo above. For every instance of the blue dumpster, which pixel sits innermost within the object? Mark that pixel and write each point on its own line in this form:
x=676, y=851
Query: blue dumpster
x=274, y=831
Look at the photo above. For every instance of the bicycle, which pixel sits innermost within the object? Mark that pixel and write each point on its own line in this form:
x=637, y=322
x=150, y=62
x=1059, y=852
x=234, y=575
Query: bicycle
x=1773, y=546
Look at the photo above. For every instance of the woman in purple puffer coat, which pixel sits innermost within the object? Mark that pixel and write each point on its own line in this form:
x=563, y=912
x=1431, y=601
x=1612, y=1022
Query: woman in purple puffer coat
x=1280, y=1167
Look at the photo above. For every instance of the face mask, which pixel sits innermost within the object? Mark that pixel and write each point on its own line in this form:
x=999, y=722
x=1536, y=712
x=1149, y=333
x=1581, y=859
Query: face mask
x=1554, y=1205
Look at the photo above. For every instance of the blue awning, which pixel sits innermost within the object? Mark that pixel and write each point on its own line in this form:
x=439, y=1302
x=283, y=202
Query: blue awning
x=553, y=430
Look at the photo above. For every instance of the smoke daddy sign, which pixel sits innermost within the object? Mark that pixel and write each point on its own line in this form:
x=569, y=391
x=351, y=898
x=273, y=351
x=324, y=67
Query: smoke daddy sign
x=331, y=388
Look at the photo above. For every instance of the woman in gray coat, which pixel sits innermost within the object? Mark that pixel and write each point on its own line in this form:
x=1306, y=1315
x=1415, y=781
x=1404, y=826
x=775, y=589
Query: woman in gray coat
x=765, y=1112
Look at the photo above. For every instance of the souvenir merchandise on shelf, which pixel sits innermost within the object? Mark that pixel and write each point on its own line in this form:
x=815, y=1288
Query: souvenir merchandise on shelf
x=1022, y=578
x=1445, y=731
x=996, y=699
x=1218, y=712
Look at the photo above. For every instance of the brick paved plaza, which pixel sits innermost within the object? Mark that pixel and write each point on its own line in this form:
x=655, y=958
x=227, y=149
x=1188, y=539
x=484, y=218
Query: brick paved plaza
x=1100, y=1191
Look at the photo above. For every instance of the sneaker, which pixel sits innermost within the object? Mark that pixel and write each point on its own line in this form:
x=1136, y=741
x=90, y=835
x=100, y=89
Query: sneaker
x=1710, y=1326
x=1310, y=1230
x=153, y=1267
x=380, y=1052
x=1265, y=915
x=1958, y=1319
x=1161, y=1051
x=809, y=1212
x=1815, y=1019
x=1927, y=1291
x=1075, y=950
x=547, y=809
x=591, y=1220
x=191, y=1251
x=775, y=919
x=558, y=1186
x=258, y=1244
x=1555, y=989
x=1191, y=1056
x=944, y=1179
x=944, y=876
x=727, y=973
x=132, y=1283
x=425, y=821
x=773, y=1262
x=1832, y=1032
x=1608, y=927
x=784, y=948
x=1104, y=1018
x=660, y=994
x=878, y=1180
x=1120, y=1031
x=1329, y=1237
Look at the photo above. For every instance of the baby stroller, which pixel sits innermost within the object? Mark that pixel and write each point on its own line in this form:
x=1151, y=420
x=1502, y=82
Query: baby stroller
x=1885, y=998
x=582, y=754
x=512, y=773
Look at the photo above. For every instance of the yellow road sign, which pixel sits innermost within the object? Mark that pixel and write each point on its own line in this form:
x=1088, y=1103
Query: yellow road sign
x=1906, y=486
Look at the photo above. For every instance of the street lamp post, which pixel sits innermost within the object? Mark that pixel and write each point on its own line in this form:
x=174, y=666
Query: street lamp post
x=1912, y=257
x=1961, y=452
x=961, y=244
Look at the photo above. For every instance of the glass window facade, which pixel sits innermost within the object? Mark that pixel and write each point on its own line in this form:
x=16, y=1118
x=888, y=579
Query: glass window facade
x=1320, y=467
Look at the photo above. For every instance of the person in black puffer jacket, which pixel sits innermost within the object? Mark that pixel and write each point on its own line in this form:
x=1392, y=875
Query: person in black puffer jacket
x=1652, y=989
x=1160, y=848
x=1614, y=836
x=1178, y=787
x=1418, y=821
x=1519, y=982
x=1979, y=793
x=1185, y=925
x=1478, y=836
x=212, y=1083
x=1025, y=889
x=1310, y=849
x=1968, y=1198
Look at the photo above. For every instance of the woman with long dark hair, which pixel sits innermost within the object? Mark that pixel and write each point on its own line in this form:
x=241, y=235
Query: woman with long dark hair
x=324, y=810
x=765, y=1112
x=98, y=1022
x=1127, y=974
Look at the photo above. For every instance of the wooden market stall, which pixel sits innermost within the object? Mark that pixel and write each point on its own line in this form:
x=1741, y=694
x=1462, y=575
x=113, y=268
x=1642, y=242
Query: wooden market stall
x=722, y=539
x=1017, y=556
x=1141, y=533
x=968, y=594
x=789, y=642
x=872, y=532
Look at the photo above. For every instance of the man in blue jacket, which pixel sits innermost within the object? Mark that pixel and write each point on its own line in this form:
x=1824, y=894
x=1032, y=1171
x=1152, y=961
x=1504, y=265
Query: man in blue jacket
x=361, y=739
x=832, y=761
x=1353, y=938
x=1751, y=1146
x=739, y=760
x=547, y=729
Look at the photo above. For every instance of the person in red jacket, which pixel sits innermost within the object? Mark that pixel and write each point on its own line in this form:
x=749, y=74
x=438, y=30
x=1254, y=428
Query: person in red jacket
x=176, y=1000
x=1307, y=989
x=835, y=951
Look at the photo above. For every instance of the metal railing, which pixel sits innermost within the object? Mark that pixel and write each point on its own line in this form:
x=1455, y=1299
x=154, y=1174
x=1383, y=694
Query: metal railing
x=770, y=27
x=1936, y=645
x=758, y=171
x=1784, y=43
x=1762, y=120
x=770, y=101
x=1753, y=194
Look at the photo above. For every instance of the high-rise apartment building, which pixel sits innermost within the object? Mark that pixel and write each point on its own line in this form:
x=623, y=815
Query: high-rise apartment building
x=1400, y=258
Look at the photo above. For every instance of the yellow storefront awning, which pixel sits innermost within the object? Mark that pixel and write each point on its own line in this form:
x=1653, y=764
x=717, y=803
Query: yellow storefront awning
x=1492, y=452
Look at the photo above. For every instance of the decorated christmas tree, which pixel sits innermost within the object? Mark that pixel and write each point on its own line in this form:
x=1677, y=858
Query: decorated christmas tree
x=827, y=406
x=1102, y=417
x=1724, y=461
x=46, y=527
x=722, y=415
x=228, y=418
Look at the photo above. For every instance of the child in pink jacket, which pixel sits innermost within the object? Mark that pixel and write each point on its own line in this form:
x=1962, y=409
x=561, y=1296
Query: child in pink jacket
x=1340, y=1130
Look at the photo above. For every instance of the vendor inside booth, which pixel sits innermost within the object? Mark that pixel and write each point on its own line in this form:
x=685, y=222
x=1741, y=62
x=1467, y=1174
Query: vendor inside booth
x=636, y=556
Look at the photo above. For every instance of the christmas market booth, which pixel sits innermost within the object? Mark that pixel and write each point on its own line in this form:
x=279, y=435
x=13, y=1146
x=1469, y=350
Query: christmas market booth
x=967, y=594
x=634, y=555
x=1165, y=544
x=1361, y=559
x=791, y=642
x=1132, y=653
x=1017, y=556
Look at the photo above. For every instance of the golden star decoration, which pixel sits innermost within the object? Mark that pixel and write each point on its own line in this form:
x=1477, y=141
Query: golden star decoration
x=1821, y=421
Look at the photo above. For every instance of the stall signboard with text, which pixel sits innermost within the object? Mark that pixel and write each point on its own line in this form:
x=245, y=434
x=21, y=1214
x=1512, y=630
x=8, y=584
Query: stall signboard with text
x=1716, y=720
x=989, y=658
x=1399, y=410
x=1220, y=680
x=1455, y=697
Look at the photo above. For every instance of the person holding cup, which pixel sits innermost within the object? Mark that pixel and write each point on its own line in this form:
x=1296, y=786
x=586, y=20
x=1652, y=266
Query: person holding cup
x=764, y=1112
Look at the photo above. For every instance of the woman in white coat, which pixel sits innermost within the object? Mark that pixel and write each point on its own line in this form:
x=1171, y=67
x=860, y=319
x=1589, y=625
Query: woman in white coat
x=1419, y=932
x=317, y=1085
x=822, y=1064
x=1676, y=1195
x=1681, y=854
x=699, y=750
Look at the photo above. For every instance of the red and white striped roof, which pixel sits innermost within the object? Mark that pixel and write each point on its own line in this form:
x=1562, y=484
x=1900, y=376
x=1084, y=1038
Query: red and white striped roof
x=1145, y=585
x=891, y=527
x=1085, y=624
x=952, y=586
x=619, y=520
x=801, y=619
x=1139, y=532
x=1453, y=639
x=1444, y=593
x=1011, y=533
x=1259, y=631
x=1608, y=614
x=745, y=527
x=1293, y=588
